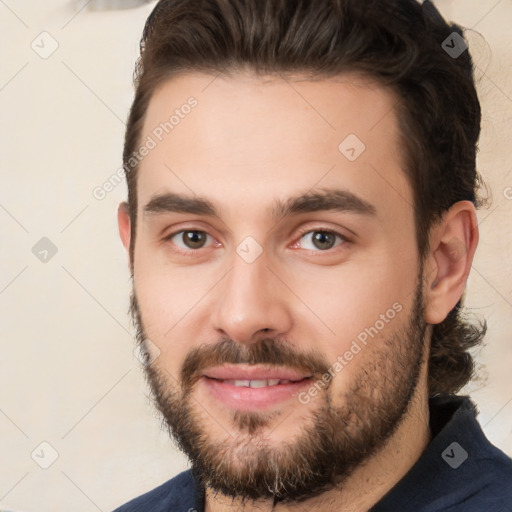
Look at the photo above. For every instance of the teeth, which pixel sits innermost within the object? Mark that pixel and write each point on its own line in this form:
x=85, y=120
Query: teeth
x=256, y=383
x=240, y=383
x=259, y=383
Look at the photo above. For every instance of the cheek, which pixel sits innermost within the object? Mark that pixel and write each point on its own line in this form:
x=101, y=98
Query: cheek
x=163, y=308
x=363, y=304
x=352, y=297
x=165, y=291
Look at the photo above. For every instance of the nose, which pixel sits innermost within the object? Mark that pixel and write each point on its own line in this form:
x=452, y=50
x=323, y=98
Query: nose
x=252, y=302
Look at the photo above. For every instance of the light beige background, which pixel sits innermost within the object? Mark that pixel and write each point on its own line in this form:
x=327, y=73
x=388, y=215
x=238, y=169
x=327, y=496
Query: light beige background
x=68, y=376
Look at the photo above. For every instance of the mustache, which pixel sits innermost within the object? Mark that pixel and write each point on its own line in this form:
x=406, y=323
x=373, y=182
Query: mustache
x=266, y=351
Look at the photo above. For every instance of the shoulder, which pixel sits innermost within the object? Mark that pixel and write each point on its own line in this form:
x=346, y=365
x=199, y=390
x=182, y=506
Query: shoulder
x=459, y=471
x=178, y=493
x=490, y=477
x=478, y=473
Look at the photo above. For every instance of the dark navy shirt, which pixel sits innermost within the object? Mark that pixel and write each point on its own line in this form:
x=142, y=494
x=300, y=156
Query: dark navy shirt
x=459, y=471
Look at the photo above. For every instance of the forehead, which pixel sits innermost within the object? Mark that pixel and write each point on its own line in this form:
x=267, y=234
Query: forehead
x=246, y=139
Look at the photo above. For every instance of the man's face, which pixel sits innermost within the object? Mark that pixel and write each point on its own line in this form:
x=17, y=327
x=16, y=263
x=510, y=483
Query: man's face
x=328, y=298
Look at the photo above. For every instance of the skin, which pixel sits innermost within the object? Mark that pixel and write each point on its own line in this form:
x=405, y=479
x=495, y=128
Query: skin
x=252, y=140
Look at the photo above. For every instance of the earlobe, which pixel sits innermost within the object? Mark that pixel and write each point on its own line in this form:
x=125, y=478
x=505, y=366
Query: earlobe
x=123, y=221
x=453, y=245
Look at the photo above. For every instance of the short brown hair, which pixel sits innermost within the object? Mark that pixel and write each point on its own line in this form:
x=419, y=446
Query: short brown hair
x=396, y=42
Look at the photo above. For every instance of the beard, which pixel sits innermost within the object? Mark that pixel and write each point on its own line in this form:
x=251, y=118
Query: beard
x=334, y=439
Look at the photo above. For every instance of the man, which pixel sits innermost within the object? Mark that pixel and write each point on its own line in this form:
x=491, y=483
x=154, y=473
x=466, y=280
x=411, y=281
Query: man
x=301, y=225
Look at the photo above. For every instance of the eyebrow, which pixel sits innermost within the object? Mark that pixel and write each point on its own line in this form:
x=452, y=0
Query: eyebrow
x=320, y=200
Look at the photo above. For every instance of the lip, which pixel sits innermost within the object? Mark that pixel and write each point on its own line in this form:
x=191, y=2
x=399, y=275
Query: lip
x=253, y=372
x=217, y=382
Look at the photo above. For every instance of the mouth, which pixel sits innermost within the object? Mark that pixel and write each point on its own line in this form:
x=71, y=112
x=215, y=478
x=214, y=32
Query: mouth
x=256, y=383
x=252, y=388
x=254, y=373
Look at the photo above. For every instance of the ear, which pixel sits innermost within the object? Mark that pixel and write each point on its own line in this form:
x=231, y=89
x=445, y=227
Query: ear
x=453, y=243
x=123, y=222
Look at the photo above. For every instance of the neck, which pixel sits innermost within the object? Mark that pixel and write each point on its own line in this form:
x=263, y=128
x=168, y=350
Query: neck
x=369, y=482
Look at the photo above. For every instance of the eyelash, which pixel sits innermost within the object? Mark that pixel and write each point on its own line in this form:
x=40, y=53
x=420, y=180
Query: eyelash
x=301, y=233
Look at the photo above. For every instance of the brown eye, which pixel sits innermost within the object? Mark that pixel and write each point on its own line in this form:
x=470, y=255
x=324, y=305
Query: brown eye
x=322, y=240
x=194, y=239
x=188, y=240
